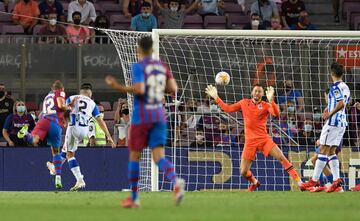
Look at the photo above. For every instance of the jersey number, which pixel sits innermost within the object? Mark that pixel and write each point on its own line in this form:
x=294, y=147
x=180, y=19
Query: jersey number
x=82, y=107
x=49, y=107
x=156, y=87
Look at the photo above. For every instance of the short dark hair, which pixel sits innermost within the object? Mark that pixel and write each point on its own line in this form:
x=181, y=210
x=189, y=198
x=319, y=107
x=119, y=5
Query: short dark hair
x=254, y=14
x=76, y=13
x=86, y=86
x=146, y=43
x=337, y=69
x=146, y=4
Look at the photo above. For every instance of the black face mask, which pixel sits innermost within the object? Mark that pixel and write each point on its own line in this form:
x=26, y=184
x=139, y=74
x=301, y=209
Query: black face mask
x=26, y=1
x=77, y=21
x=2, y=93
x=125, y=111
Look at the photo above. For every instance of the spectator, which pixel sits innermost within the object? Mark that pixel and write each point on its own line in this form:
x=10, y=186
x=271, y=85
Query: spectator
x=307, y=136
x=276, y=23
x=266, y=9
x=14, y=122
x=6, y=4
x=290, y=11
x=86, y=8
x=27, y=8
x=77, y=34
x=317, y=121
x=291, y=94
x=6, y=106
x=223, y=137
x=48, y=7
x=240, y=138
x=132, y=8
x=255, y=23
x=101, y=22
x=97, y=136
x=191, y=118
x=118, y=114
x=303, y=23
x=52, y=29
x=123, y=125
x=200, y=140
x=210, y=7
x=174, y=13
x=291, y=124
x=336, y=7
x=145, y=21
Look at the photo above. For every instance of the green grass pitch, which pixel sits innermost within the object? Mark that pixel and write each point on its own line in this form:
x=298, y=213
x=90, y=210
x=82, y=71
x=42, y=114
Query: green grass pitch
x=103, y=206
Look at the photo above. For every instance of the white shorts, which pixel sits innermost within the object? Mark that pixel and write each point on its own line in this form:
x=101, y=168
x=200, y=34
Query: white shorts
x=74, y=134
x=331, y=136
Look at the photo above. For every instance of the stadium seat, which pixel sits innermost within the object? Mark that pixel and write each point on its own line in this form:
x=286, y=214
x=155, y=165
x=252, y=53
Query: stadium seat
x=12, y=29
x=111, y=8
x=11, y=6
x=110, y=124
x=215, y=22
x=357, y=23
x=351, y=14
x=37, y=29
x=109, y=115
x=120, y=22
x=106, y=104
x=115, y=104
x=193, y=22
x=348, y=4
x=31, y=105
x=2, y=7
x=233, y=9
x=6, y=19
x=160, y=21
x=98, y=9
x=237, y=21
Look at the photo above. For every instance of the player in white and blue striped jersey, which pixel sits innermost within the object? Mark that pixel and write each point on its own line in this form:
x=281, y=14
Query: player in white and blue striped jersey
x=333, y=131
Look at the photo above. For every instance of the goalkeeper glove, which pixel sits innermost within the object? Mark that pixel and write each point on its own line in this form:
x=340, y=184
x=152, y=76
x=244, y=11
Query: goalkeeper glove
x=270, y=93
x=211, y=91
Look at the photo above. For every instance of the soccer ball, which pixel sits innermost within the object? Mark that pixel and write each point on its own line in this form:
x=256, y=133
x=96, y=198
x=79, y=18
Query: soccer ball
x=222, y=78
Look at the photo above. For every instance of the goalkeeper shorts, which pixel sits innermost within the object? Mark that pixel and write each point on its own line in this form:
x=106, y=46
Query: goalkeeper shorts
x=251, y=146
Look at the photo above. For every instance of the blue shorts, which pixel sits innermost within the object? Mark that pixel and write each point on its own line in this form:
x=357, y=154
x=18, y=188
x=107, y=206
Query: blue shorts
x=147, y=135
x=49, y=130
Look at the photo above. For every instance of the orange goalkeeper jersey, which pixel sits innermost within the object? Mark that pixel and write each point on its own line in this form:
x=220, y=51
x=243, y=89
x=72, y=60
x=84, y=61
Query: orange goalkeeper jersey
x=255, y=115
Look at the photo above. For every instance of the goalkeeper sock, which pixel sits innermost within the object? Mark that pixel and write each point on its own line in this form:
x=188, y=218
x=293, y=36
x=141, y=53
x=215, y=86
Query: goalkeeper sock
x=334, y=166
x=291, y=170
x=133, y=175
x=168, y=168
x=330, y=178
x=75, y=168
x=57, y=164
x=319, y=166
x=321, y=179
x=250, y=177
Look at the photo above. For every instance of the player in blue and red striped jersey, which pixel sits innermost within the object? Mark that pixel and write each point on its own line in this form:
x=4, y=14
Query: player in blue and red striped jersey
x=50, y=126
x=151, y=80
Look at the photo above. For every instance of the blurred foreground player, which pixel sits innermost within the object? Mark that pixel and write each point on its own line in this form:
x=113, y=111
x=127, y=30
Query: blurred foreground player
x=50, y=126
x=255, y=113
x=151, y=80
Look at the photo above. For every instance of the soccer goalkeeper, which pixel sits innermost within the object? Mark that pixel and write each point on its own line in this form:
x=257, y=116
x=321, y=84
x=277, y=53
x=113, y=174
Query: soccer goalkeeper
x=255, y=112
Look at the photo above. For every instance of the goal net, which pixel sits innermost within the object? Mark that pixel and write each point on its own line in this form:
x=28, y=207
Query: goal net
x=206, y=143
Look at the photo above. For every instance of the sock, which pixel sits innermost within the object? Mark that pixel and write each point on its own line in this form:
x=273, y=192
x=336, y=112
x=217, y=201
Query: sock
x=330, y=178
x=334, y=166
x=63, y=157
x=168, y=168
x=57, y=164
x=133, y=175
x=250, y=177
x=75, y=168
x=321, y=179
x=319, y=166
x=29, y=138
x=291, y=170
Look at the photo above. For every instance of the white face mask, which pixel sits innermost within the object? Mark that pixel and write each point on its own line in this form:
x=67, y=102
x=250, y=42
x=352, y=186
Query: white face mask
x=213, y=107
x=199, y=137
x=173, y=9
x=53, y=21
x=255, y=22
x=307, y=127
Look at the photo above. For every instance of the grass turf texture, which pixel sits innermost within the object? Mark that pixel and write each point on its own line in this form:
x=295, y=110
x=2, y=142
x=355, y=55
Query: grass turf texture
x=102, y=206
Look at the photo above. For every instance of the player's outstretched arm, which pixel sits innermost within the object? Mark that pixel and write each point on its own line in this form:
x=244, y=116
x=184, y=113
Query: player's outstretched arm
x=212, y=92
x=138, y=88
x=105, y=129
x=274, y=108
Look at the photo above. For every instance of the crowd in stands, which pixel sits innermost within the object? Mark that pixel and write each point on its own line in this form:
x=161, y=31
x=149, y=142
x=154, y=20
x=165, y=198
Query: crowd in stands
x=47, y=17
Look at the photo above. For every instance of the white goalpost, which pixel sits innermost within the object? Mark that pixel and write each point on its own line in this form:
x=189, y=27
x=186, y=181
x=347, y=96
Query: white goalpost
x=205, y=144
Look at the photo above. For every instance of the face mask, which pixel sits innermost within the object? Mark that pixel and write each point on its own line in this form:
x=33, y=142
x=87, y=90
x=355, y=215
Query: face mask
x=317, y=116
x=125, y=111
x=223, y=130
x=255, y=23
x=145, y=15
x=213, y=108
x=199, y=137
x=20, y=109
x=291, y=124
x=291, y=109
x=173, y=9
x=307, y=127
x=52, y=21
x=77, y=21
x=2, y=93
